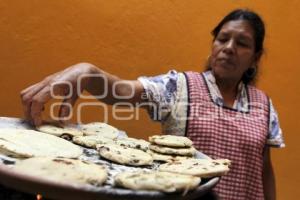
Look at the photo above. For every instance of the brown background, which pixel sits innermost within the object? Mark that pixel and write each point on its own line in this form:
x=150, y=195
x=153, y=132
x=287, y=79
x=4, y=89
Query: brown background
x=148, y=37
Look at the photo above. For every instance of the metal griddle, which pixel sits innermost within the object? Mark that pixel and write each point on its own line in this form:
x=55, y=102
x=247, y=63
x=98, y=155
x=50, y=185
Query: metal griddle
x=108, y=191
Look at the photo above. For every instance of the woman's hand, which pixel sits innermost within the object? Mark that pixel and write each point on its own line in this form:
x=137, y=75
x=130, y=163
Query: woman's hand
x=72, y=81
x=61, y=83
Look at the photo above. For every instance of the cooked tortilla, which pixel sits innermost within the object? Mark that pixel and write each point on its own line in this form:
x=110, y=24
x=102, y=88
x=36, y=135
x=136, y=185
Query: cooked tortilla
x=98, y=128
x=29, y=143
x=63, y=170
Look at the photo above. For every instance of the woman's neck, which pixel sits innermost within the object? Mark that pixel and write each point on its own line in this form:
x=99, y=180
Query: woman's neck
x=228, y=90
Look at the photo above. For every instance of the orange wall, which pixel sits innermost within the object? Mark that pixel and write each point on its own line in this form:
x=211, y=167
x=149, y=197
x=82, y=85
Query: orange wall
x=147, y=37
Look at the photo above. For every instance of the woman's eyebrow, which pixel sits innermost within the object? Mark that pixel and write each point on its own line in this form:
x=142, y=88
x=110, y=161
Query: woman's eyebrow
x=245, y=37
x=242, y=35
x=223, y=33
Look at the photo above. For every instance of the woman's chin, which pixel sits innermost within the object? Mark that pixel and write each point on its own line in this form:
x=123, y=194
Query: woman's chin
x=222, y=70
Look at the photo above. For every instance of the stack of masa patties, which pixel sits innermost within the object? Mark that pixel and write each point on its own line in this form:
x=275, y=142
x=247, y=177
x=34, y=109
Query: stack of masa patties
x=168, y=148
x=179, y=153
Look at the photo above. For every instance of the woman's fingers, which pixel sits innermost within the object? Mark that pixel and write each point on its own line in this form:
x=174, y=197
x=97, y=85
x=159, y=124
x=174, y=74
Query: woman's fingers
x=66, y=107
x=37, y=105
x=61, y=85
x=33, y=89
x=57, y=88
x=26, y=98
x=29, y=89
x=36, y=96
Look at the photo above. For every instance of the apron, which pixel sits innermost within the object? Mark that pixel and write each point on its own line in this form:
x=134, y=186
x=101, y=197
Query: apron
x=222, y=132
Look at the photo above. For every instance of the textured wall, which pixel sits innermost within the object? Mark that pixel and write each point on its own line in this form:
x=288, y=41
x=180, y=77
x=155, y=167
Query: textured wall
x=147, y=37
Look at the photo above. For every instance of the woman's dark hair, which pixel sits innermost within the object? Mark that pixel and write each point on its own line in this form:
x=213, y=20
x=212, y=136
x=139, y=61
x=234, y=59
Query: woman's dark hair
x=259, y=30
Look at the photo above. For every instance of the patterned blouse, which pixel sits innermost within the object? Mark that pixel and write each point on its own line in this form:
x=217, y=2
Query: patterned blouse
x=168, y=94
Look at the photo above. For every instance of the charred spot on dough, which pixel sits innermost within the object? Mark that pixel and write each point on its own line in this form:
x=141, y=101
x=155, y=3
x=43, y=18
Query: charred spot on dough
x=135, y=161
x=86, y=162
x=66, y=136
x=104, y=148
x=63, y=161
x=216, y=163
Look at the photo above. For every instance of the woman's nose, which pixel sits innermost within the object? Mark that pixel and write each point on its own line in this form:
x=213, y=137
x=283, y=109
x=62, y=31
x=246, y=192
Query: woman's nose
x=229, y=46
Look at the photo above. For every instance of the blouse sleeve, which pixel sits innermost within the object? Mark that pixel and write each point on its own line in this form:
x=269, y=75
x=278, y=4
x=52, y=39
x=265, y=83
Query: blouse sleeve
x=275, y=138
x=161, y=94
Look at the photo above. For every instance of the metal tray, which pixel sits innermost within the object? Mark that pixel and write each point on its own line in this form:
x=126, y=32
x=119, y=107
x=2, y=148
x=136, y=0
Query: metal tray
x=34, y=185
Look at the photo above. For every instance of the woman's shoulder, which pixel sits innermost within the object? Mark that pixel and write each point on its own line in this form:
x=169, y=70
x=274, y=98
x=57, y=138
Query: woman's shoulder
x=257, y=94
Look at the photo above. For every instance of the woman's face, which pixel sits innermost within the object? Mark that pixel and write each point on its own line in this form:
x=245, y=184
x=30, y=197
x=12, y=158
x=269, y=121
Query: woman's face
x=233, y=50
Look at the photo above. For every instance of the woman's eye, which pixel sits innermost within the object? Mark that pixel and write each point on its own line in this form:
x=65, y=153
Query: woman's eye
x=241, y=43
x=222, y=40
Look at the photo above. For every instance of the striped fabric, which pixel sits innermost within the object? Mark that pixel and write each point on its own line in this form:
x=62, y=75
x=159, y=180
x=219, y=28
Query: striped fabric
x=222, y=132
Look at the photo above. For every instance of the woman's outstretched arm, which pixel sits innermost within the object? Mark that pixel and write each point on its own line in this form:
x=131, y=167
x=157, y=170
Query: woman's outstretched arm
x=74, y=80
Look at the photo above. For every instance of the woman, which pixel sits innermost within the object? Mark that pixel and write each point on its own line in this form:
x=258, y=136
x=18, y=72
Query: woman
x=219, y=109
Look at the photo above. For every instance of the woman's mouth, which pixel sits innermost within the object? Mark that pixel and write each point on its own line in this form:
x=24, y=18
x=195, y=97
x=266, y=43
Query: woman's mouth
x=225, y=61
